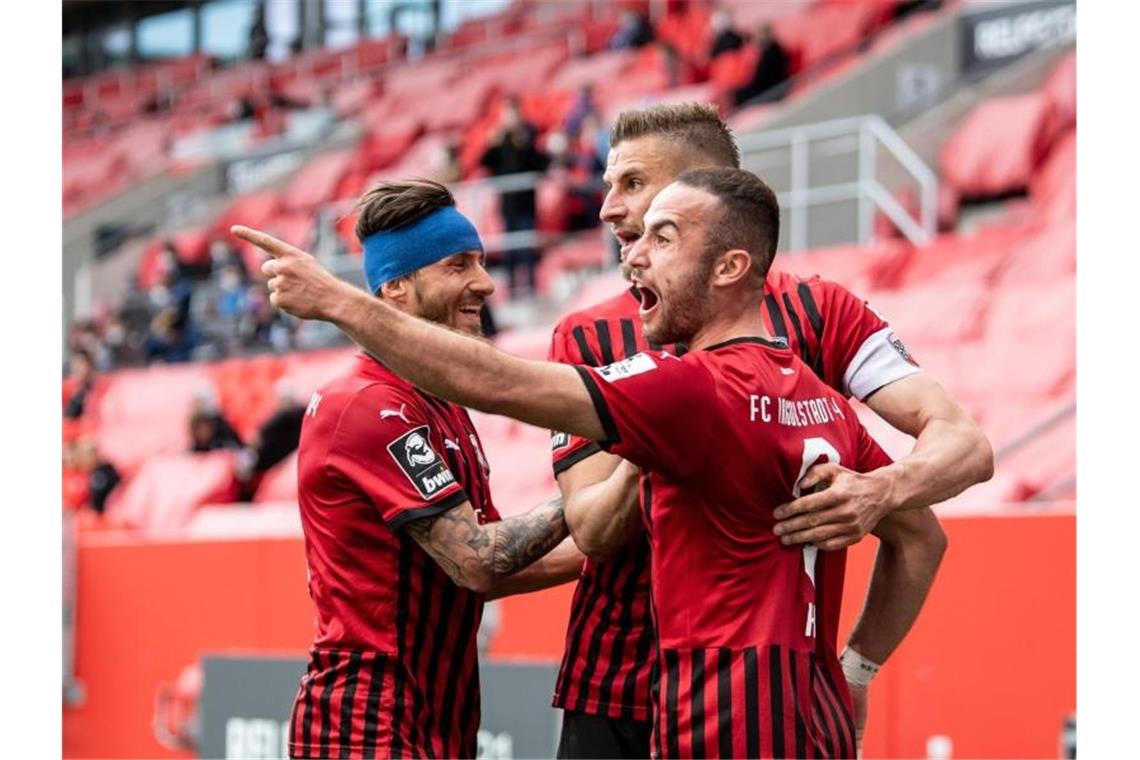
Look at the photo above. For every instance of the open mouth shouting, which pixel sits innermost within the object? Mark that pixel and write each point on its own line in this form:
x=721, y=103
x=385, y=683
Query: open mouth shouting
x=650, y=300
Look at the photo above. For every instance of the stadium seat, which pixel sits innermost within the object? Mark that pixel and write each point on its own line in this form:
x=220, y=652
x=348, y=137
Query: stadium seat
x=252, y=209
x=316, y=182
x=167, y=489
x=595, y=69
x=280, y=483
x=996, y=148
x=145, y=412
x=1047, y=253
x=598, y=288
x=527, y=342
x=935, y=313
x=1053, y=188
x=306, y=372
x=824, y=30
x=1061, y=89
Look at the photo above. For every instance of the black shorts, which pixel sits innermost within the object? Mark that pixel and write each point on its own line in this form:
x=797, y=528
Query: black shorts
x=593, y=736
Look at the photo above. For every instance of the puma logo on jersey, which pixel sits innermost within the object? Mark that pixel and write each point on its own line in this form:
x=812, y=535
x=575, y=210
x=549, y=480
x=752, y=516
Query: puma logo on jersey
x=314, y=402
x=450, y=444
x=386, y=413
x=787, y=371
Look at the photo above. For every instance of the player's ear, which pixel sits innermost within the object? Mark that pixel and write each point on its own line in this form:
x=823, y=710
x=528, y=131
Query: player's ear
x=398, y=291
x=732, y=267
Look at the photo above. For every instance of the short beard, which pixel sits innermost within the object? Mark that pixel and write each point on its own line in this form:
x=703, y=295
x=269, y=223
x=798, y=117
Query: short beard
x=688, y=310
x=441, y=313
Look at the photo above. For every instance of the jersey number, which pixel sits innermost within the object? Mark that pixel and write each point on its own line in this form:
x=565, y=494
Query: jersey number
x=814, y=450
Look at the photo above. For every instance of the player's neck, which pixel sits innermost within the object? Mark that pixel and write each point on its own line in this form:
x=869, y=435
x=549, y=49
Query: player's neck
x=743, y=324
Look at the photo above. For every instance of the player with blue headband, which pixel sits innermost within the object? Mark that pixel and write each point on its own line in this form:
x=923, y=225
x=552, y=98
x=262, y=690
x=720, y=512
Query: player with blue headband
x=422, y=255
x=403, y=541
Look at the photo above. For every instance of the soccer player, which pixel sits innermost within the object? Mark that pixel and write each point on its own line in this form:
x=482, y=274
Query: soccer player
x=402, y=539
x=744, y=671
x=604, y=682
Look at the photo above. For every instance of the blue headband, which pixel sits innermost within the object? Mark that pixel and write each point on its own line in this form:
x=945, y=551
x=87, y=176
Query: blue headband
x=389, y=254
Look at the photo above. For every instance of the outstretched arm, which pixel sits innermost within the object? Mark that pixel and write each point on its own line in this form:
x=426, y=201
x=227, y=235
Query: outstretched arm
x=456, y=367
x=479, y=557
x=951, y=454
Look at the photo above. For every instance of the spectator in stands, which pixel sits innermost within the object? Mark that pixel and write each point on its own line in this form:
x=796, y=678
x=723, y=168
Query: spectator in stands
x=88, y=478
x=258, y=34
x=229, y=304
x=78, y=384
x=725, y=38
x=634, y=31
x=209, y=430
x=275, y=439
x=445, y=164
x=512, y=150
x=172, y=335
x=581, y=109
x=772, y=69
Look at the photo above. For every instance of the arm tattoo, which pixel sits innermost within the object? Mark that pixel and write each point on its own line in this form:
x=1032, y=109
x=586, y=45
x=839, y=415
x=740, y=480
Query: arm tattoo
x=466, y=550
x=521, y=540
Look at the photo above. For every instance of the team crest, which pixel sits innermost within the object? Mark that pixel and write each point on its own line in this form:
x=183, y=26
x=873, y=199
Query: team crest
x=419, y=462
x=897, y=344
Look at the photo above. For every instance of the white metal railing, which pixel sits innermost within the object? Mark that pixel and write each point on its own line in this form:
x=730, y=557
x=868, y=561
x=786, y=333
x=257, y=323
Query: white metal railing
x=869, y=133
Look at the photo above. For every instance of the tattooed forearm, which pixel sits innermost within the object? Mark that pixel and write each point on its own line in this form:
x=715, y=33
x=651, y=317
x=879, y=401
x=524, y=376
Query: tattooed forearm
x=474, y=556
x=458, y=544
x=521, y=540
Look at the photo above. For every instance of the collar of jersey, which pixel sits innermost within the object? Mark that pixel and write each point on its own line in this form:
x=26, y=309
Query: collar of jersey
x=779, y=343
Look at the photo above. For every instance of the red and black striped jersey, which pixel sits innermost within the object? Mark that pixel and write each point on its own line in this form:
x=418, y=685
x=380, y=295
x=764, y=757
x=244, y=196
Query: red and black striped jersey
x=605, y=669
x=726, y=593
x=393, y=668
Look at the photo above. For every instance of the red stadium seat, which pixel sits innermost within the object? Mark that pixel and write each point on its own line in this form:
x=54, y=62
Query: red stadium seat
x=603, y=67
x=1046, y=254
x=1061, y=89
x=146, y=412
x=824, y=30
x=995, y=150
x=576, y=253
x=1054, y=185
x=952, y=258
x=1023, y=309
x=252, y=209
x=853, y=266
x=934, y=313
x=280, y=482
x=306, y=372
x=167, y=489
x=527, y=342
x=316, y=182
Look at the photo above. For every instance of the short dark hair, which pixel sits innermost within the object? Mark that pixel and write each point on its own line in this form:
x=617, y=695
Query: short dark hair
x=697, y=127
x=391, y=205
x=750, y=214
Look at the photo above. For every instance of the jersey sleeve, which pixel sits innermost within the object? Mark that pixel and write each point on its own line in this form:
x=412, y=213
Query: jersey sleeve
x=567, y=450
x=657, y=410
x=386, y=446
x=861, y=353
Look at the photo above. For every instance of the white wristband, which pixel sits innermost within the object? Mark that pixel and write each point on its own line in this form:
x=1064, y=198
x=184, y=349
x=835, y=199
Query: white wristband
x=857, y=668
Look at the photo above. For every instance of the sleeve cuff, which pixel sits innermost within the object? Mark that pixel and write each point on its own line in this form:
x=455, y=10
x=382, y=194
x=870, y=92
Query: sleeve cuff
x=431, y=510
x=563, y=464
x=600, y=407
